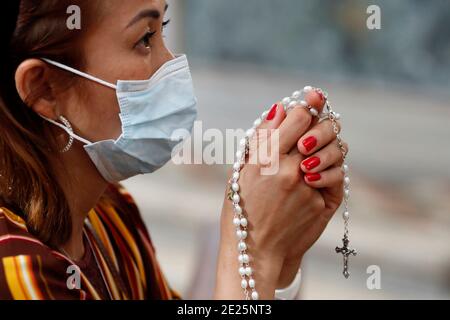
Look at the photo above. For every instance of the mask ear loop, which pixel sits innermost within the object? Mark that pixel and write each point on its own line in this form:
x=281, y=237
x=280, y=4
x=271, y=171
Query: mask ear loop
x=80, y=73
x=67, y=127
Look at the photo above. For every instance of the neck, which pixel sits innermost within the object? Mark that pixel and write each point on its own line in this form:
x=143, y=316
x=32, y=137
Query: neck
x=83, y=186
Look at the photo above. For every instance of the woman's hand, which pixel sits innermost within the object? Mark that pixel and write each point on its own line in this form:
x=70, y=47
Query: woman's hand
x=286, y=211
x=322, y=171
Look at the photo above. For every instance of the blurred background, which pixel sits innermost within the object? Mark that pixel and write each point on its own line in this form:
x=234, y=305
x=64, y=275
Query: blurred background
x=392, y=88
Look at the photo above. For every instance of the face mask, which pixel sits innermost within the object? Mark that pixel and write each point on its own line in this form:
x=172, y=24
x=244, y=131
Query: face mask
x=150, y=111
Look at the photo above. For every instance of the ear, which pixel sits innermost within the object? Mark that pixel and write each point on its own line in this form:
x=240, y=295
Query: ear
x=34, y=87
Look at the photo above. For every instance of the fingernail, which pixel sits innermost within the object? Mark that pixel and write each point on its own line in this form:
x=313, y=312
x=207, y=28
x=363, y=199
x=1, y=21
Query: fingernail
x=311, y=163
x=311, y=177
x=322, y=97
x=273, y=112
x=310, y=143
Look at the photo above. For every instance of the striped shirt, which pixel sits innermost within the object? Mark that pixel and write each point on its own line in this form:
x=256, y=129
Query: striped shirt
x=120, y=265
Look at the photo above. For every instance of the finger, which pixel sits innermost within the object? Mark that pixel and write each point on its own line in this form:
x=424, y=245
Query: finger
x=293, y=127
x=264, y=128
x=273, y=117
x=330, y=155
x=316, y=138
x=298, y=119
x=317, y=100
x=330, y=178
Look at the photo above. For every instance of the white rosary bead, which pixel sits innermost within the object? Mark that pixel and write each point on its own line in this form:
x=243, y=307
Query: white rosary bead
x=241, y=234
x=244, y=222
x=244, y=284
x=292, y=104
x=235, y=187
x=337, y=116
x=347, y=181
x=346, y=215
x=236, y=198
x=250, y=133
x=236, y=166
x=236, y=175
x=307, y=89
x=304, y=104
x=251, y=283
x=239, y=155
x=257, y=122
x=242, y=246
x=248, y=271
x=296, y=95
x=244, y=258
x=314, y=112
x=243, y=142
x=286, y=101
x=345, y=168
x=238, y=210
x=242, y=271
x=255, y=295
x=237, y=222
x=346, y=194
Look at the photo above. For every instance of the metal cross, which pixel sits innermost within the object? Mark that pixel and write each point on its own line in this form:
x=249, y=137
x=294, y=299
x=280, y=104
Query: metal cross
x=346, y=251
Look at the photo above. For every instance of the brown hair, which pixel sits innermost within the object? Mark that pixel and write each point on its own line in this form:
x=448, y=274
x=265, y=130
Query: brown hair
x=28, y=185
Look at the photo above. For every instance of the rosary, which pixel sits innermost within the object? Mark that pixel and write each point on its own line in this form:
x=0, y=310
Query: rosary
x=240, y=220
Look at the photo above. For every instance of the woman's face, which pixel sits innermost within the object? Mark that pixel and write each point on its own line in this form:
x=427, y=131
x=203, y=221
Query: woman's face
x=125, y=44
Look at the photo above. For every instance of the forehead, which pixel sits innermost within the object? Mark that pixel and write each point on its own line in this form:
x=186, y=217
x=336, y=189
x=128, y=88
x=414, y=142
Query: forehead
x=121, y=13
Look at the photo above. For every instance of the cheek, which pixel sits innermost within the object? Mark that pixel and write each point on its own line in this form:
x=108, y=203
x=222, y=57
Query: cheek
x=98, y=113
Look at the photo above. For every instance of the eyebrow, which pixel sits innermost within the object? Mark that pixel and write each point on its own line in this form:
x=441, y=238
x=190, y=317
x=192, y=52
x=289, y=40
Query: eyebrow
x=148, y=13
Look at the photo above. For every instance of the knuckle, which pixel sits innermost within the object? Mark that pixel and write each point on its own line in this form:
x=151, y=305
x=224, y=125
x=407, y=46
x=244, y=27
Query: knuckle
x=300, y=115
x=287, y=179
x=318, y=204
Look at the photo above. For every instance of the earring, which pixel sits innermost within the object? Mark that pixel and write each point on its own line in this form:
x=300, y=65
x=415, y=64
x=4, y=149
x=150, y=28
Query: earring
x=69, y=128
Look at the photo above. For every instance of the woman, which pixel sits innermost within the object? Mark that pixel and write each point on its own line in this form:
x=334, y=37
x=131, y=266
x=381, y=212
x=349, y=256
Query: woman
x=70, y=131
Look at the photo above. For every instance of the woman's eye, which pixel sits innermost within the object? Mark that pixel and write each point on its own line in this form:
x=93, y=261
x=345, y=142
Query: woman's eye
x=145, y=40
x=165, y=23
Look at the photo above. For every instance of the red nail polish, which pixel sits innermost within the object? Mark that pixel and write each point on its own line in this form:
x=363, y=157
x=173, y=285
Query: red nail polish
x=322, y=97
x=311, y=163
x=310, y=143
x=313, y=177
x=273, y=112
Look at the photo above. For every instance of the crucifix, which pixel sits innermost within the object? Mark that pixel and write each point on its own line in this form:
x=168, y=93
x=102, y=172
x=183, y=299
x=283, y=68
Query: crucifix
x=346, y=251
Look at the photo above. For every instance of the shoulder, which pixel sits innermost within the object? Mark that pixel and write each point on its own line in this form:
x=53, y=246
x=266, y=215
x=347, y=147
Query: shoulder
x=15, y=239
x=30, y=270
x=118, y=211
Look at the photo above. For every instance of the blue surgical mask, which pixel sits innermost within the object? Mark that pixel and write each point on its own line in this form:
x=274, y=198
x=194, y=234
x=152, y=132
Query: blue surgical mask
x=151, y=111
